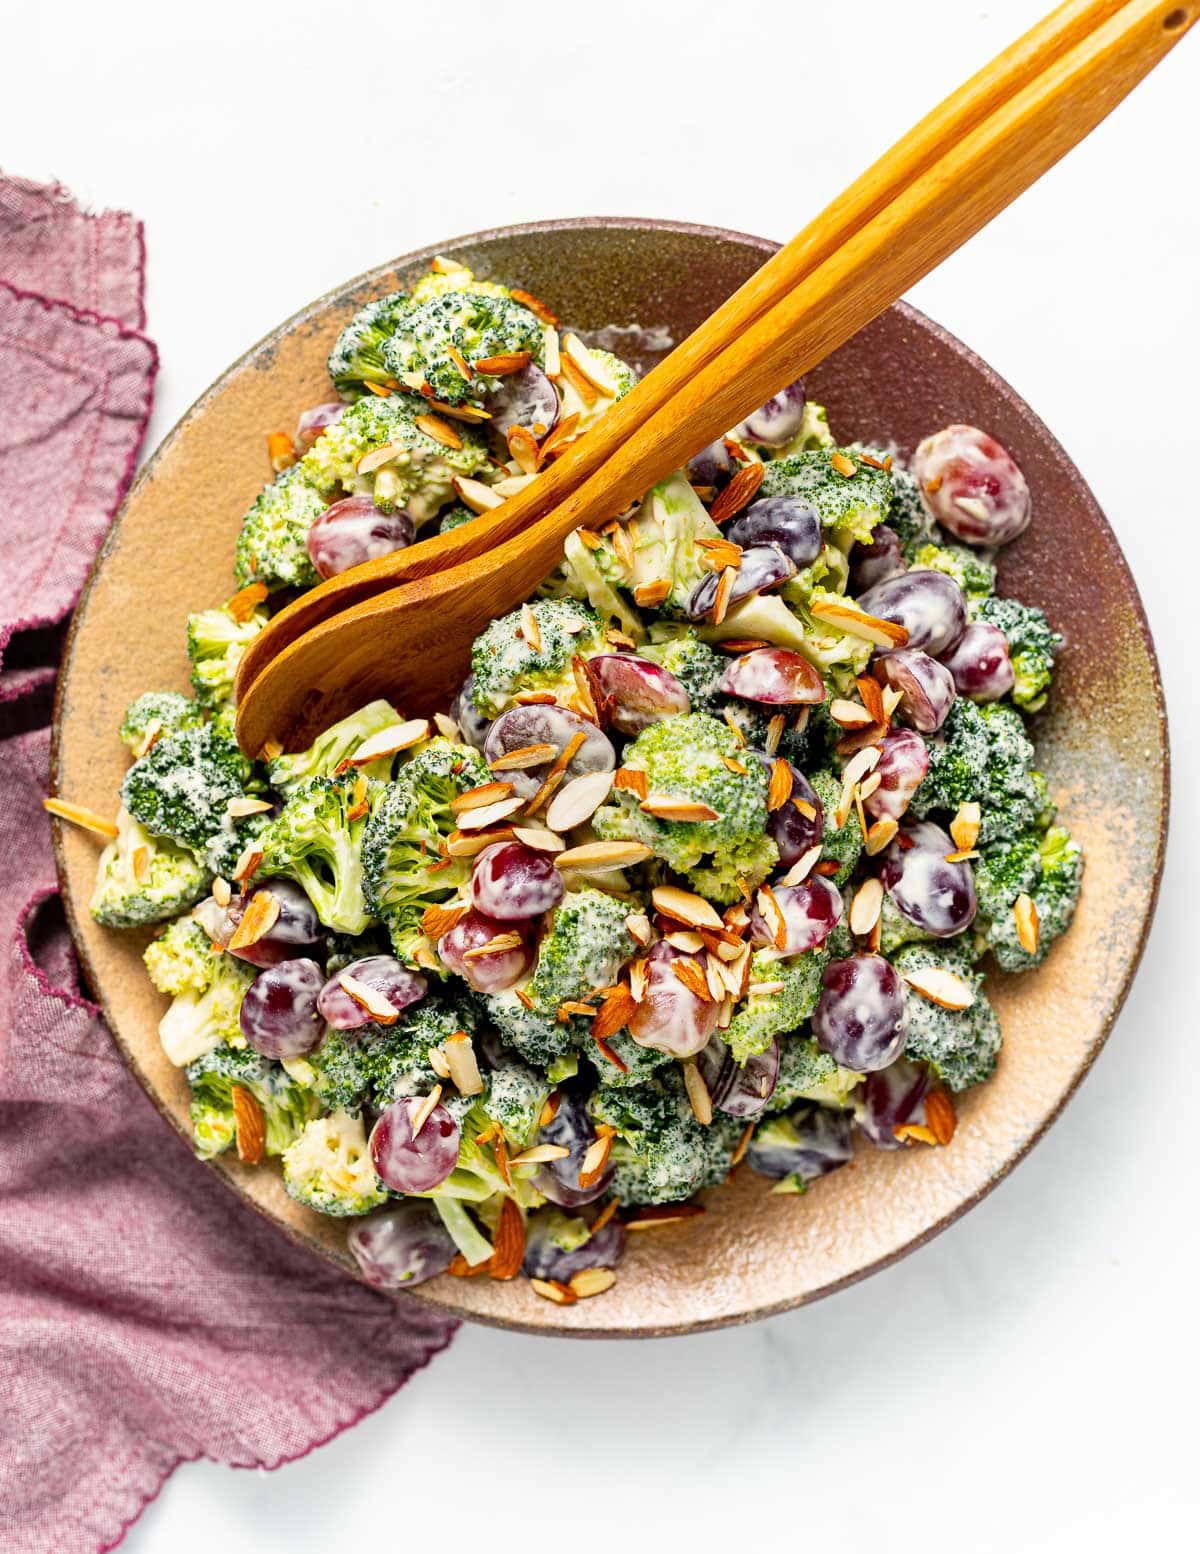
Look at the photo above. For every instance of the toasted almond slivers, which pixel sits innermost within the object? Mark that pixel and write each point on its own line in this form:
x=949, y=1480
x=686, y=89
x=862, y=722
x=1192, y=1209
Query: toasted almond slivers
x=650, y=595
x=440, y=265
x=866, y=906
x=654, y=1215
x=941, y=987
x=772, y=914
x=962, y=855
x=248, y=861
x=940, y=1115
x=880, y=834
x=802, y=867
x=521, y=760
x=380, y=1009
x=530, y=629
x=964, y=828
x=849, y=714
x=685, y=940
x=536, y=306
x=551, y=1289
x=475, y=495
x=479, y=798
x=686, y=907
x=378, y=457
x=281, y=451
x=592, y=368
x=629, y=780
x=843, y=465
x=904, y=1131
x=437, y=1062
x=79, y=815
x=540, y=840
x=764, y=989
x=250, y=1126
x=639, y=979
x=238, y=809
x=463, y=1064
x=592, y=1166
x=440, y=431
x=500, y=366
x=500, y=944
x=698, y=1094
x=141, y=863
x=420, y=1117
x=598, y=857
x=488, y=814
x=438, y=920
x=738, y=493
x=244, y=603
x=614, y=1013
x=690, y=974
x=467, y=844
x=666, y=806
x=1025, y=914
x=638, y=925
x=779, y=790
x=221, y=891
x=854, y=622
x=390, y=741
x=578, y=800
x=592, y=1281
x=858, y=766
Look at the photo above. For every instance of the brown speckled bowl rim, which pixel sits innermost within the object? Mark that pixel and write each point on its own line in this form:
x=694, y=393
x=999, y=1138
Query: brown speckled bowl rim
x=999, y=387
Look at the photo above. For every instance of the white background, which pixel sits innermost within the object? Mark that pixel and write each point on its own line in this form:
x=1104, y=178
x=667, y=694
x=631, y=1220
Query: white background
x=1027, y=1382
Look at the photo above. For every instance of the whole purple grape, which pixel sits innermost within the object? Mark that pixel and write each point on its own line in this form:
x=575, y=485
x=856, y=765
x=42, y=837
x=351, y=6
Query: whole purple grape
x=296, y=931
x=938, y=896
x=875, y=563
x=761, y=567
x=513, y=883
x=384, y=975
x=354, y=530
x=573, y=1130
x=926, y=687
x=792, y=829
x=400, y=1246
x=979, y=663
x=520, y=727
x=408, y=1162
x=639, y=693
x=860, y=1017
x=901, y=770
x=712, y=466
x=777, y=422
x=786, y=521
x=930, y=606
x=471, y=722
x=809, y=1142
x=526, y=398
x=545, y=1260
x=889, y=1097
x=738, y=1089
x=279, y=1015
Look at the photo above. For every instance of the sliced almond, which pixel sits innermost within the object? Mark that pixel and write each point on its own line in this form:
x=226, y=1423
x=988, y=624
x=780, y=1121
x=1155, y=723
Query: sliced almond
x=539, y=1154
x=614, y=1013
x=866, y=906
x=499, y=944
x=244, y=603
x=685, y=940
x=552, y=351
x=940, y=1115
x=738, y=493
x=764, y=989
x=238, y=809
x=463, y=1064
x=779, y=790
x=593, y=369
x=523, y=448
x=281, y=451
x=653, y=1216
x=843, y=465
x=903, y=1131
x=473, y=415
x=685, y=907
x=560, y=439
x=594, y=1162
x=880, y=834
x=1025, y=914
x=849, y=714
x=538, y=308
x=468, y=844
x=697, y=1094
x=480, y=797
x=854, y=622
x=638, y=925
x=141, y=863
x=440, y=265
x=437, y=1062
x=598, y=857
x=508, y=1243
x=553, y=1290
x=381, y=1009
x=772, y=914
x=500, y=366
x=440, y=431
x=78, y=815
x=524, y=758
x=719, y=554
x=941, y=987
x=962, y=855
x=964, y=828
x=489, y=814
x=861, y=764
x=221, y=892
x=249, y=1125
x=475, y=495
x=439, y=920
x=666, y=806
x=420, y=1117
x=530, y=629
x=376, y=458
x=639, y=979
x=540, y=840
x=390, y=741
x=802, y=867
x=690, y=974
x=775, y=730
x=628, y=779
x=592, y=1281
x=891, y=699
x=248, y=861
x=650, y=595
x=578, y=800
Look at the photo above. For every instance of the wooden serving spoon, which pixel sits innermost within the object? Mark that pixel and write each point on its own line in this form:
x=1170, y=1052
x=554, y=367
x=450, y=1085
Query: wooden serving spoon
x=941, y=184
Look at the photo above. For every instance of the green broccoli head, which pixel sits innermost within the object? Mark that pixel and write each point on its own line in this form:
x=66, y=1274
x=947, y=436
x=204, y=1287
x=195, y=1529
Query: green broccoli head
x=183, y=786
x=583, y=948
x=271, y=546
x=155, y=713
x=1049, y=869
x=661, y=1153
x=641, y=1063
x=807, y=1073
x=682, y=758
x=419, y=475
x=471, y=324
x=286, y=1106
x=215, y=644
x=328, y=1167
x=984, y=755
x=540, y=1038
x=849, y=506
x=842, y=845
x=377, y=1064
x=144, y=879
x=781, y=996
x=516, y=1094
x=316, y=840
x=197, y=1022
x=907, y=514
x=454, y=518
x=357, y=355
x=973, y=572
x=402, y=845
x=1032, y=645
x=181, y=959
x=593, y=572
x=338, y=743
x=503, y=662
x=959, y=1044
x=436, y=283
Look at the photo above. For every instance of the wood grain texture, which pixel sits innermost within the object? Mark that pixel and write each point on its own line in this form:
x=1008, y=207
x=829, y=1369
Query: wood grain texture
x=1102, y=741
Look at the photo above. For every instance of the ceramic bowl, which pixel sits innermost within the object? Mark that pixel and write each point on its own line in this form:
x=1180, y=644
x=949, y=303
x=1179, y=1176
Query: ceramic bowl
x=636, y=287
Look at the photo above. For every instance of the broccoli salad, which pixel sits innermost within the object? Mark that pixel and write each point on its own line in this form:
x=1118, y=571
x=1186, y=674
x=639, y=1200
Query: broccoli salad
x=701, y=869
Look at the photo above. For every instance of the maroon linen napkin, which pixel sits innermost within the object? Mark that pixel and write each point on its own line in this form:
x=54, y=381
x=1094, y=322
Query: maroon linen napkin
x=146, y=1319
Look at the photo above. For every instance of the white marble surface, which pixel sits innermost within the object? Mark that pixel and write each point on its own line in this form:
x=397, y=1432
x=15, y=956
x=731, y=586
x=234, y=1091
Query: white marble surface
x=1027, y=1381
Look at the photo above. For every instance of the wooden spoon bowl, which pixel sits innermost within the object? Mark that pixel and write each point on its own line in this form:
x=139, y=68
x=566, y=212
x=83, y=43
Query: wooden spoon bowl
x=636, y=286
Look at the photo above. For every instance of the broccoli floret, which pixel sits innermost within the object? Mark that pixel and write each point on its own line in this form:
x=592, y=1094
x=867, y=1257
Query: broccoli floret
x=469, y=324
x=971, y=570
x=959, y=1044
x=144, y=879
x=503, y=662
x=1032, y=645
x=337, y=744
x=329, y=1168
x=843, y=845
x=286, y=1106
x=807, y=1073
x=983, y=755
x=789, y=622
x=908, y=514
x=436, y=283
x=584, y=947
x=155, y=713
x=597, y=576
x=316, y=840
x=682, y=758
x=540, y=1038
x=182, y=787
x=789, y=992
x=197, y=1022
x=215, y=644
x=1051, y=874
x=182, y=959
x=225, y=846
x=404, y=838
x=516, y=1094
x=850, y=506
x=641, y=1063
x=375, y=1065
x=662, y=1154
x=357, y=355
x=271, y=546
x=418, y=477
x=454, y=518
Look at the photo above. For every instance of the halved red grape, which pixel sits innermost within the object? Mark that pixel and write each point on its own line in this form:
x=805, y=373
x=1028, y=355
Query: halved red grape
x=888, y=1097
x=777, y=422
x=761, y=567
x=471, y=722
x=821, y=1144
x=383, y=974
x=398, y=1247
x=875, y=563
x=296, y=931
x=545, y=1260
x=526, y=398
x=408, y=1162
x=318, y=419
x=520, y=727
x=972, y=486
x=671, y=1018
x=279, y=1015
x=901, y=769
x=572, y=1129
x=776, y=676
x=938, y=896
x=811, y=911
x=354, y=530
x=860, y=1017
x=929, y=605
x=926, y=687
x=639, y=692
x=491, y=972
x=738, y=1090
x=513, y=883
x=786, y=521
x=980, y=663
x=797, y=824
